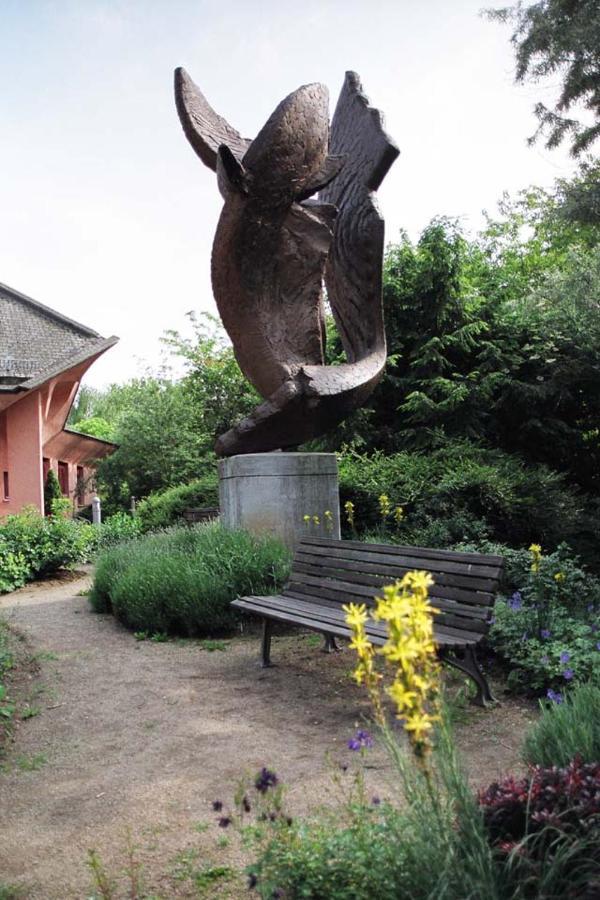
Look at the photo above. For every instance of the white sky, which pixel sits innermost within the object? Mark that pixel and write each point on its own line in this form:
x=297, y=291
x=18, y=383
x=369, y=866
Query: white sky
x=107, y=215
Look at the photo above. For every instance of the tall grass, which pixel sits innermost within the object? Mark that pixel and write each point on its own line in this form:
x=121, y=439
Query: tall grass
x=182, y=580
x=566, y=730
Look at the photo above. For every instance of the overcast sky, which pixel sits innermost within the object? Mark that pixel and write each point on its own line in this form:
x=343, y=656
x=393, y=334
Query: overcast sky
x=108, y=216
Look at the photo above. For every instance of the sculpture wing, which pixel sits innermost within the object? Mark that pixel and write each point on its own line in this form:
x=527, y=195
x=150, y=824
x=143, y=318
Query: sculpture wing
x=203, y=127
x=353, y=275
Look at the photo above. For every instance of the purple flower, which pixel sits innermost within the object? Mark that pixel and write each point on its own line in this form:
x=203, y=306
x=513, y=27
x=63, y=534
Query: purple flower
x=568, y=674
x=375, y=801
x=565, y=657
x=264, y=780
x=598, y=646
x=362, y=739
x=590, y=607
x=545, y=633
x=224, y=822
x=217, y=805
x=554, y=696
x=516, y=601
x=593, y=627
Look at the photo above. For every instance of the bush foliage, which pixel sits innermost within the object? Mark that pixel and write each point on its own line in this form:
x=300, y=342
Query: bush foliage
x=463, y=492
x=566, y=729
x=182, y=581
x=164, y=508
x=32, y=545
x=548, y=628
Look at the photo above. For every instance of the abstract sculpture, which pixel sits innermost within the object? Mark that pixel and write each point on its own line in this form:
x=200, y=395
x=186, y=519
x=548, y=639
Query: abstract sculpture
x=275, y=249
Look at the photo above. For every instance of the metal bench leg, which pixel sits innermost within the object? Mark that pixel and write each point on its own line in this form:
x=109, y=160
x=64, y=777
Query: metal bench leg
x=330, y=645
x=470, y=666
x=266, y=644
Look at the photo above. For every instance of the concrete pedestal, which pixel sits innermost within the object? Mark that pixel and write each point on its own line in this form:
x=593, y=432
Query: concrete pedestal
x=272, y=492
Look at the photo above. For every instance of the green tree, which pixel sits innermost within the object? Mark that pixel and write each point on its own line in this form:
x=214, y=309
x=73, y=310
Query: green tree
x=221, y=394
x=159, y=442
x=52, y=491
x=97, y=427
x=560, y=39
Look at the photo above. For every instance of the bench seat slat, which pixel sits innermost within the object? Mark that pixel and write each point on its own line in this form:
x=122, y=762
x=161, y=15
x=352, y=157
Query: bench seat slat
x=338, y=593
x=324, y=619
x=421, y=552
x=456, y=617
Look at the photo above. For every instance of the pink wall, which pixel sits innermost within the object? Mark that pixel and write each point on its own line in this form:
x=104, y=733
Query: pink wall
x=31, y=428
x=21, y=452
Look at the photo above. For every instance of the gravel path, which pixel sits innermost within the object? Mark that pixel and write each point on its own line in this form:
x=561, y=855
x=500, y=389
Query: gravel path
x=140, y=737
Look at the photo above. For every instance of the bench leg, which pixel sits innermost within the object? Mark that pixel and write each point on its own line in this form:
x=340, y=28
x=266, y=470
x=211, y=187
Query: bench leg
x=468, y=664
x=330, y=645
x=265, y=650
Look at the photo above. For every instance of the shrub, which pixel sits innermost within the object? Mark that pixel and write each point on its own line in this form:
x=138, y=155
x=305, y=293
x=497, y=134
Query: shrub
x=166, y=507
x=32, y=545
x=565, y=798
x=182, y=581
x=568, y=727
x=52, y=491
x=462, y=492
x=357, y=854
x=548, y=630
x=117, y=528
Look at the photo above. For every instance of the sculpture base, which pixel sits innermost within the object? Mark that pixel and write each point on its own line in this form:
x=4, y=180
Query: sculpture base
x=272, y=492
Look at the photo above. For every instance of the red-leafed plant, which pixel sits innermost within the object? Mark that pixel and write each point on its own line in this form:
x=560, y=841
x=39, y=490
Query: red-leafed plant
x=549, y=800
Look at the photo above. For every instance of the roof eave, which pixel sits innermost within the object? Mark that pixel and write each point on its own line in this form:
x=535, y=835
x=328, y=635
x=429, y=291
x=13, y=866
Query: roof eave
x=64, y=365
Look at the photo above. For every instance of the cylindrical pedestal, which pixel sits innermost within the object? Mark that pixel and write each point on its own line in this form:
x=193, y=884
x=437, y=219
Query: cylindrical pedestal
x=274, y=492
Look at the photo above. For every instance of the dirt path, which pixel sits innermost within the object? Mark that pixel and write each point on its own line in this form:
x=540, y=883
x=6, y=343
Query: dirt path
x=143, y=736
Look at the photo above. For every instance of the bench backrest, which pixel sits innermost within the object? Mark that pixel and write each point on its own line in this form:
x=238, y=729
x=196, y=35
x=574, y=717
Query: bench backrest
x=336, y=572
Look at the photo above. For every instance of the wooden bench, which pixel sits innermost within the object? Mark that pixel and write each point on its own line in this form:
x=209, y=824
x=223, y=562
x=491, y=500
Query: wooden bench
x=201, y=514
x=329, y=573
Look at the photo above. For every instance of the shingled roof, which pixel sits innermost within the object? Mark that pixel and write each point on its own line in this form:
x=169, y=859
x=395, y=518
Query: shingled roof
x=37, y=342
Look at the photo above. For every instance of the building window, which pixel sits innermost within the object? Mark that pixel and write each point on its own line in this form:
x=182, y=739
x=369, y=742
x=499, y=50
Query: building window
x=5, y=485
x=63, y=478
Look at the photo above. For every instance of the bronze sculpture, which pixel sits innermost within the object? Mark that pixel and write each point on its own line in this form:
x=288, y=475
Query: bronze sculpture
x=275, y=248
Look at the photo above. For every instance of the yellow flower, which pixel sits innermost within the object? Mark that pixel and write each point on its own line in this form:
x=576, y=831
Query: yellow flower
x=560, y=576
x=403, y=698
x=356, y=614
x=328, y=520
x=418, y=726
x=536, y=557
x=409, y=653
x=398, y=514
x=384, y=506
x=306, y=520
x=316, y=520
x=349, y=510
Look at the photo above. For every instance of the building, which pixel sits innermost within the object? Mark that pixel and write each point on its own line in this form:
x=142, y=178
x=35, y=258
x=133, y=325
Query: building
x=43, y=357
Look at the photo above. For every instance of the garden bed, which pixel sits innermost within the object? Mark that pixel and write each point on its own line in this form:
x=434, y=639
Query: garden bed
x=145, y=735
